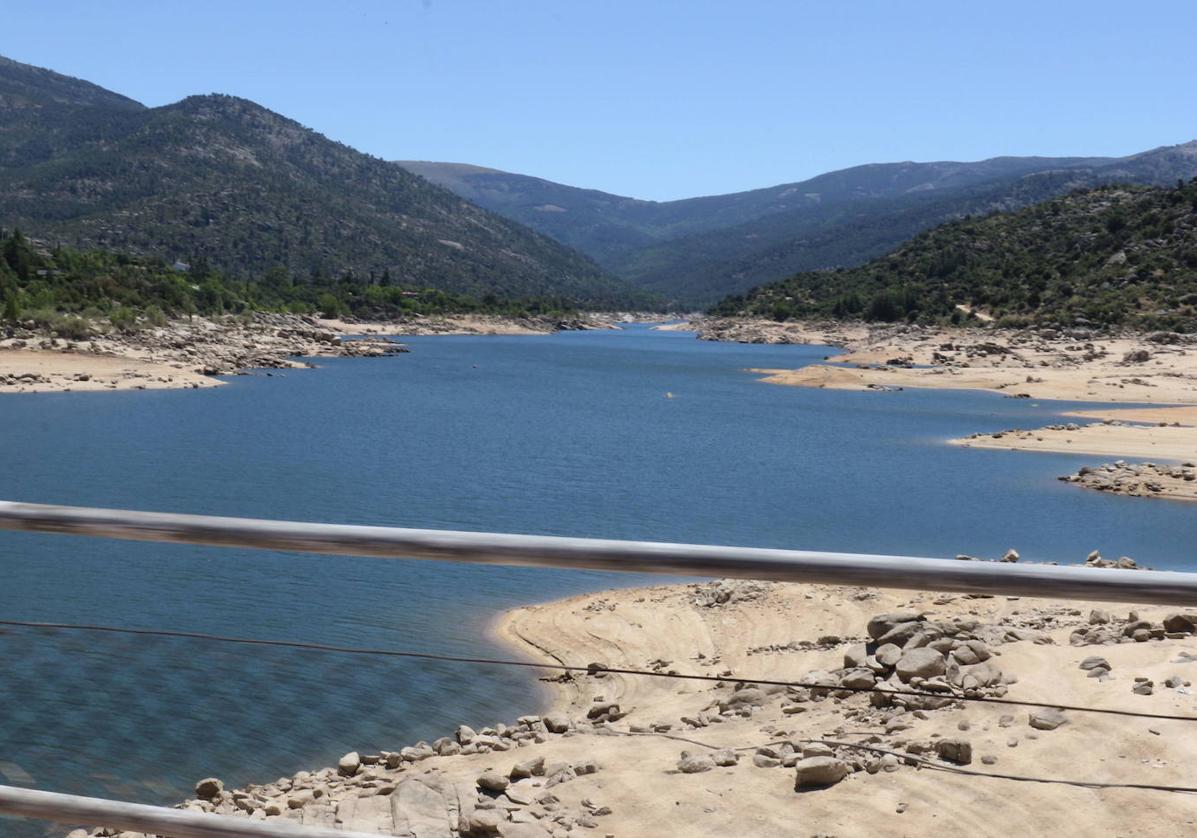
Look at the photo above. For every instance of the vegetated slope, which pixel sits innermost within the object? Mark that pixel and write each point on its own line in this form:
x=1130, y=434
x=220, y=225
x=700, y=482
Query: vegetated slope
x=599, y=224
x=73, y=292
x=698, y=250
x=43, y=113
x=1114, y=255
x=223, y=181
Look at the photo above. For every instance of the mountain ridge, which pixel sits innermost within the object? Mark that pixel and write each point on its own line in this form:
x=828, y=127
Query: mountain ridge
x=224, y=181
x=696, y=250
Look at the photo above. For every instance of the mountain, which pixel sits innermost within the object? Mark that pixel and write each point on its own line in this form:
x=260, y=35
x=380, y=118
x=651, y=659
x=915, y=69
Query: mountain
x=697, y=250
x=1113, y=255
x=224, y=181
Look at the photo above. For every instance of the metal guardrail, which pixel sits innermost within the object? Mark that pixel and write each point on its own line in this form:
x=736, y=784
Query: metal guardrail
x=1156, y=587
x=1032, y=580
x=156, y=820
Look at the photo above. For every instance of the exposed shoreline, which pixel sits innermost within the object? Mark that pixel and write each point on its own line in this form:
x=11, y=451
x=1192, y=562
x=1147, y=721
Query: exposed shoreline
x=189, y=354
x=611, y=754
x=1159, y=371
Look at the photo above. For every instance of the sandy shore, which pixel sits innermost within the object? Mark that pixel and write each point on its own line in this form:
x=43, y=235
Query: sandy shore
x=608, y=758
x=50, y=370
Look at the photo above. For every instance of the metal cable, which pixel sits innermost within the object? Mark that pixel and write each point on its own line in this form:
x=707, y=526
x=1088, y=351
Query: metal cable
x=590, y=669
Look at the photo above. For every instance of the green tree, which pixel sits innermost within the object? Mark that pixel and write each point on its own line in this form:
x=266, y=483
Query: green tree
x=12, y=306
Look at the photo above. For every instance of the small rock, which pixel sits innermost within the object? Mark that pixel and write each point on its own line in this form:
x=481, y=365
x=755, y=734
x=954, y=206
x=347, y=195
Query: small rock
x=694, y=764
x=724, y=757
x=1048, y=718
x=814, y=772
x=349, y=764
x=208, y=788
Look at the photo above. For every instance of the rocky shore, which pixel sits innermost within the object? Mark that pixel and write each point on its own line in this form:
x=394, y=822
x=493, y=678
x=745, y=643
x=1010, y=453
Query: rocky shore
x=873, y=743
x=1142, y=480
x=190, y=353
x=489, y=324
x=182, y=354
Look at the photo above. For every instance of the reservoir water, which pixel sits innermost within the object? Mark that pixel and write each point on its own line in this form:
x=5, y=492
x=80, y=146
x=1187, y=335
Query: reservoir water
x=570, y=434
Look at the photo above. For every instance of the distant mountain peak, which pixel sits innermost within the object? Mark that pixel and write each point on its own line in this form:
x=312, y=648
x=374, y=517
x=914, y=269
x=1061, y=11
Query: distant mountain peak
x=26, y=85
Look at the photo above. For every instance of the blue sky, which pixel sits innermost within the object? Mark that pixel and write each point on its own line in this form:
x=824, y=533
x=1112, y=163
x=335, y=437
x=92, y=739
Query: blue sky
x=662, y=99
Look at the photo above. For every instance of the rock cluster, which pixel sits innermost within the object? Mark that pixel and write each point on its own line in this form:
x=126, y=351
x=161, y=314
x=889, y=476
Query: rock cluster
x=729, y=592
x=906, y=652
x=210, y=346
x=1104, y=629
x=1143, y=480
x=512, y=798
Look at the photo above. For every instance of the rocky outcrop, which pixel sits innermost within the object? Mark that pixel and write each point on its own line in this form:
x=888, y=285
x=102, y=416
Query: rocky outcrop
x=1142, y=480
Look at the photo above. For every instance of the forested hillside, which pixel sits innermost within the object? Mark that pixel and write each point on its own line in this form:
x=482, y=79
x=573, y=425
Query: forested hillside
x=697, y=250
x=225, y=181
x=1111, y=256
x=73, y=292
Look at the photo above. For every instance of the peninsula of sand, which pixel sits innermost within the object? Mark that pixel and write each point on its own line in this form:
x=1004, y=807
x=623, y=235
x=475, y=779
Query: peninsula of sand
x=1154, y=372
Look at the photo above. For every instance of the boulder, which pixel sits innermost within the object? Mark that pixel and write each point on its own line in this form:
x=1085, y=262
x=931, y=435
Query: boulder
x=493, y=781
x=986, y=674
x=882, y=624
x=208, y=788
x=816, y=772
x=856, y=657
x=888, y=655
x=971, y=651
x=921, y=662
x=902, y=633
x=1181, y=623
x=528, y=768
x=556, y=723
x=349, y=764
x=958, y=751
x=861, y=679
x=1095, y=662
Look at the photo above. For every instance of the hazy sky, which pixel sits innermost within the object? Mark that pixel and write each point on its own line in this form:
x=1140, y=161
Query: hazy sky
x=662, y=99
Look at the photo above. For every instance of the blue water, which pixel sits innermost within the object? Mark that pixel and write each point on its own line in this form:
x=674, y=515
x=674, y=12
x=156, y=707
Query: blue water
x=569, y=434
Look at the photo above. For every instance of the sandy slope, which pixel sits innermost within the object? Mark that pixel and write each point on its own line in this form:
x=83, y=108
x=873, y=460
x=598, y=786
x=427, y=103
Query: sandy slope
x=635, y=627
x=786, y=631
